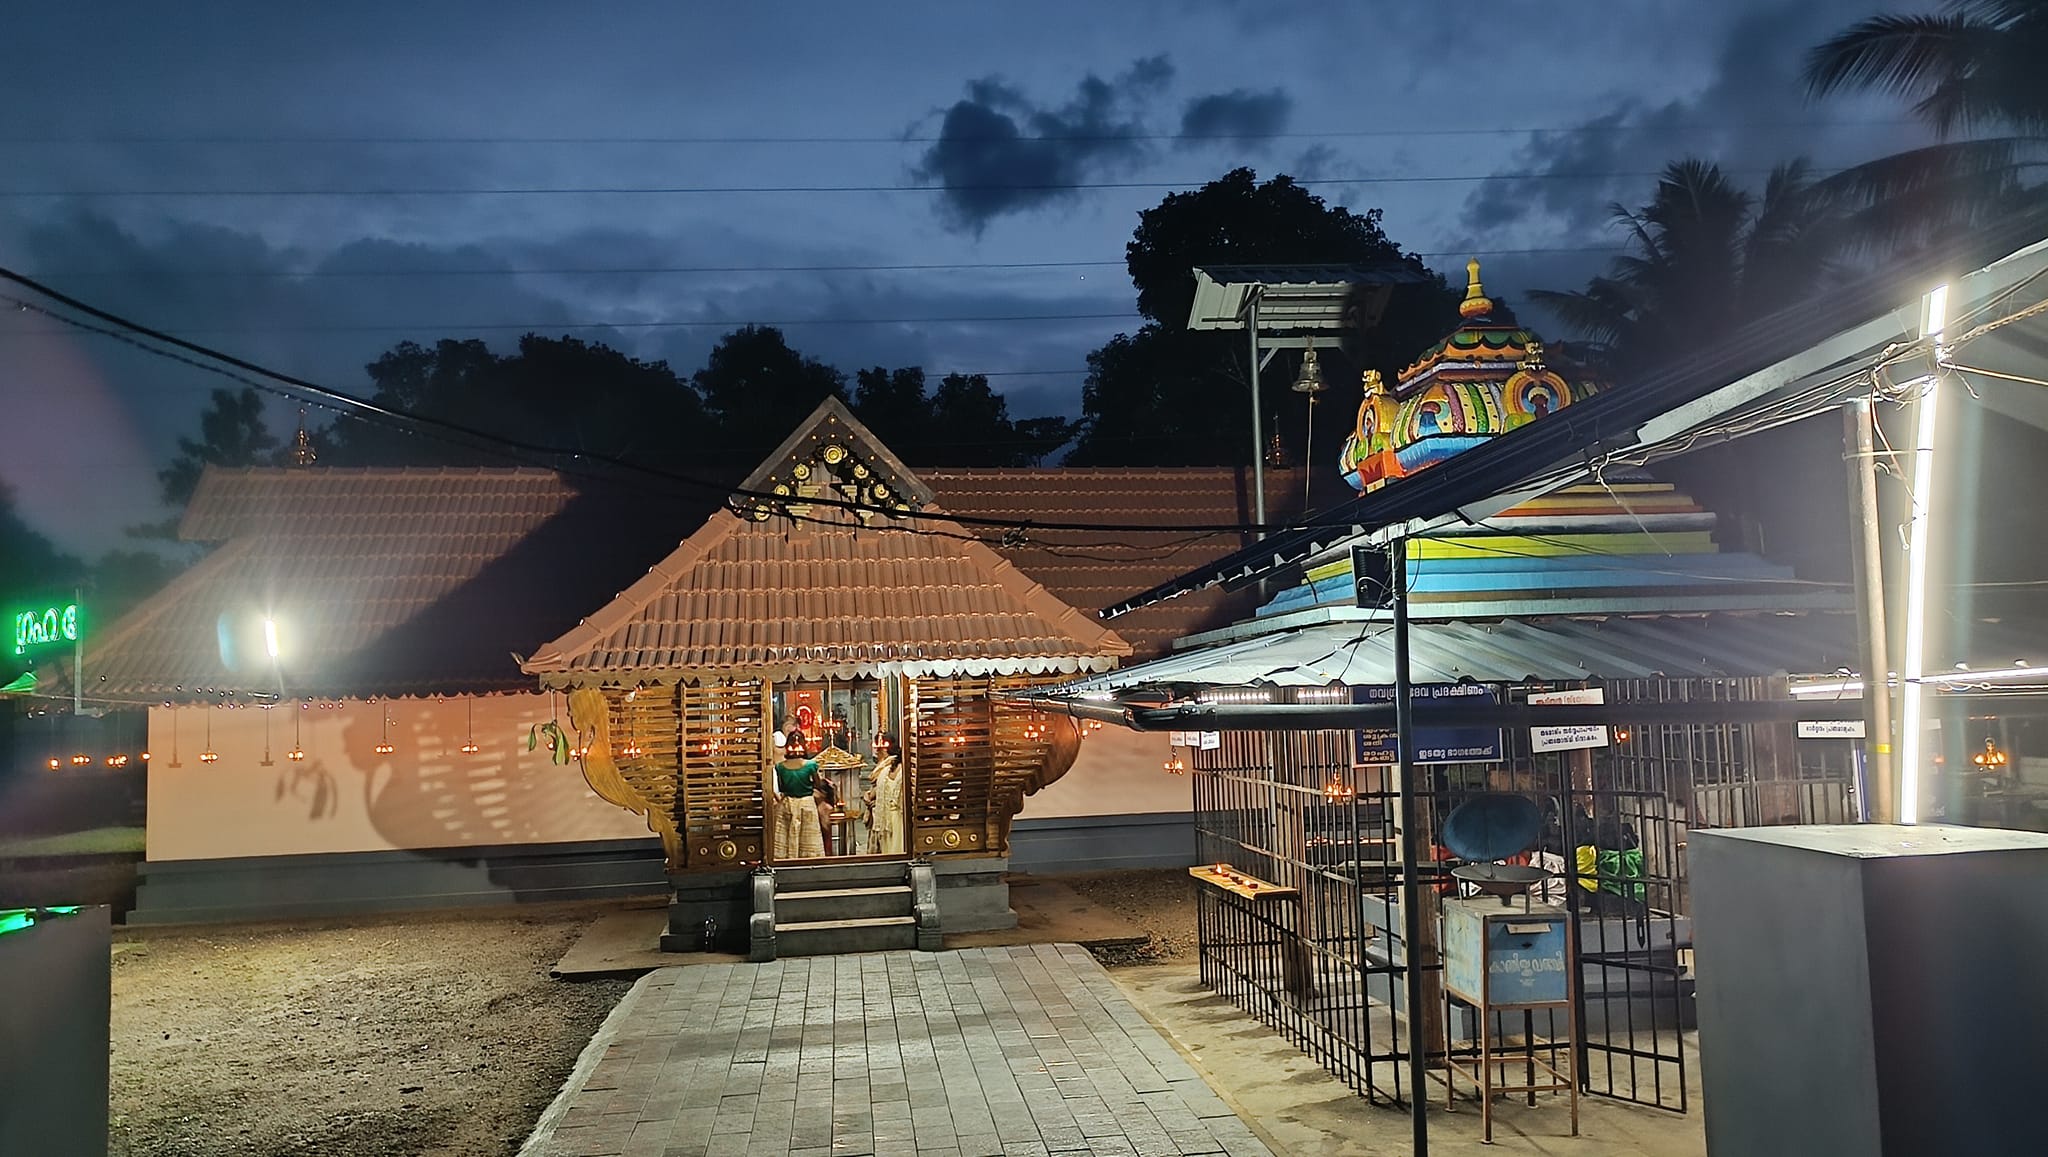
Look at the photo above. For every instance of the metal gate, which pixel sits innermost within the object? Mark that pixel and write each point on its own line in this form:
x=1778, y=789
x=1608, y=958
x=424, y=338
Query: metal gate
x=1318, y=953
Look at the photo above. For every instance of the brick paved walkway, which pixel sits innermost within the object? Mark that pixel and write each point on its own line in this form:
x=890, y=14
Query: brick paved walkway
x=1027, y=1051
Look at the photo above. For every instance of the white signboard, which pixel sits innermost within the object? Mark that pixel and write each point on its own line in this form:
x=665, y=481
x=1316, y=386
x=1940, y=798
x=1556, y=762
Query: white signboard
x=1575, y=738
x=1211, y=740
x=1831, y=729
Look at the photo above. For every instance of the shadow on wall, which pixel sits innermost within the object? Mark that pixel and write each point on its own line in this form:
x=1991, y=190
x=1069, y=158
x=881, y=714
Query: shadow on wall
x=429, y=793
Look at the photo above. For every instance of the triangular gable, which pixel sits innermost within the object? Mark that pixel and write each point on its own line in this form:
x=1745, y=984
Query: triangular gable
x=776, y=590
x=833, y=454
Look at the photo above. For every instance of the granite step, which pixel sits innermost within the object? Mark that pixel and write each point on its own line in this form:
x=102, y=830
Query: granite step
x=833, y=937
x=823, y=904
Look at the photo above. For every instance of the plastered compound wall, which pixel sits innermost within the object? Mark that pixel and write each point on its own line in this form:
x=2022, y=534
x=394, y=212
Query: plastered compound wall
x=346, y=797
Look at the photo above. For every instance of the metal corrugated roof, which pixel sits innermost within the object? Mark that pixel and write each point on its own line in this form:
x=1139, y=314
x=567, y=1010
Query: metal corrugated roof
x=1510, y=650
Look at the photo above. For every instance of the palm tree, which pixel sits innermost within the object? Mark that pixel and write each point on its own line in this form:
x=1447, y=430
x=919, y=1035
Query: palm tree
x=1706, y=257
x=1969, y=70
x=1975, y=65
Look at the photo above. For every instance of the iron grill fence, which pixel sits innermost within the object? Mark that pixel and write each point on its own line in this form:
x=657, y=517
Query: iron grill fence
x=1322, y=959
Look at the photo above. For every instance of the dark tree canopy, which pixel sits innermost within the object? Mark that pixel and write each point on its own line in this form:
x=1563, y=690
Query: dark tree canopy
x=1705, y=257
x=30, y=564
x=1168, y=396
x=231, y=433
x=962, y=423
x=756, y=388
x=557, y=392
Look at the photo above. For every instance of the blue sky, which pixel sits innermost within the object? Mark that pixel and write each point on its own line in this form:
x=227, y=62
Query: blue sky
x=1564, y=107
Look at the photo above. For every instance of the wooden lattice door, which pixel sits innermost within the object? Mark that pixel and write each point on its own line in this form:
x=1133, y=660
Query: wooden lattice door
x=723, y=748
x=972, y=759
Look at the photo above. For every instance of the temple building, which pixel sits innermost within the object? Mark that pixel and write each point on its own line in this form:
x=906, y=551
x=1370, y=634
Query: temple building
x=337, y=719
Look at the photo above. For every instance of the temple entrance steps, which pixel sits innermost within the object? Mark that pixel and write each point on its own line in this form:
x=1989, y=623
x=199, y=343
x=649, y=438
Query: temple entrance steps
x=827, y=909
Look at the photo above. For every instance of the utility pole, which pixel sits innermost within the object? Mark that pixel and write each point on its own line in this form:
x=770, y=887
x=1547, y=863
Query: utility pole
x=1414, y=957
x=1870, y=619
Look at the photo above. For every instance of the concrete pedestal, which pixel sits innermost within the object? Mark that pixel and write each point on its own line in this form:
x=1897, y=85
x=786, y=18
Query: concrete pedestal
x=57, y=977
x=1871, y=990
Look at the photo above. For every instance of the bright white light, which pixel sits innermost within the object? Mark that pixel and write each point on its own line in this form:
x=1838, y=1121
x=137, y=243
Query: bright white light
x=1916, y=587
x=270, y=637
x=1936, y=323
x=1843, y=687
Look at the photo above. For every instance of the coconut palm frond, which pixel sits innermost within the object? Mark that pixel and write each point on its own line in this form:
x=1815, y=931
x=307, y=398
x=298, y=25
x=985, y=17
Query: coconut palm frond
x=1901, y=55
x=1602, y=313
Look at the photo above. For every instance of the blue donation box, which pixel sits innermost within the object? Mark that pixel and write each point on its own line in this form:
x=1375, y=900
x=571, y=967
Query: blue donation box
x=1433, y=744
x=1497, y=956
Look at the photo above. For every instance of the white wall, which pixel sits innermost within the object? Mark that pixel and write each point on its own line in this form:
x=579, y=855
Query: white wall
x=1119, y=772
x=344, y=797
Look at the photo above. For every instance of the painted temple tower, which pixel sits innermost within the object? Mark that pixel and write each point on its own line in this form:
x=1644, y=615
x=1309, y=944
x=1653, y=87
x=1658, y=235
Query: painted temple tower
x=1483, y=380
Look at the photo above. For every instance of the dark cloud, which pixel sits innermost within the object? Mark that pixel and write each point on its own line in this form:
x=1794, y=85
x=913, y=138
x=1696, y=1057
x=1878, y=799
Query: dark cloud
x=1750, y=116
x=1000, y=152
x=110, y=414
x=1238, y=117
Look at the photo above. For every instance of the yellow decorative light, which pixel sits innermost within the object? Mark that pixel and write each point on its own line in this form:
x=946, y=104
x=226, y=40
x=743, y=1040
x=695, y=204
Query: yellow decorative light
x=296, y=755
x=55, y=763
x=384, y=748
x=209, y=757
x=81, y=760
x=1337, y=791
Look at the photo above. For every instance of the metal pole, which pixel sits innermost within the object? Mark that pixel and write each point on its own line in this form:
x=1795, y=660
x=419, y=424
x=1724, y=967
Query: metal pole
x=1251, y=326
x=1411, y=885
x=78, y=655
x=1868, y=556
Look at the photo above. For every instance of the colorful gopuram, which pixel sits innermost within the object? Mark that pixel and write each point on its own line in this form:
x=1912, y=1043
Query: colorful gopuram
x=1483, y=380
x=1623, y=544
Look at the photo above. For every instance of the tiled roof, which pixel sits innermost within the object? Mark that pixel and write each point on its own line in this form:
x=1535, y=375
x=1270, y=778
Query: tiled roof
x=1091, y=569
x=381, y=582
x=762, y=599
x=482, y=510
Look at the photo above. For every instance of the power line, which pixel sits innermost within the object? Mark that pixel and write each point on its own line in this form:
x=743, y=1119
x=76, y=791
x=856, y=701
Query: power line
x=300, y=388
x=717, y=323
x=645, y=270
x=920, y=139
x=751, y=190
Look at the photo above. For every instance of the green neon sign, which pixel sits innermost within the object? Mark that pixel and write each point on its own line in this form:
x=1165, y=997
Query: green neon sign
x=47, y=627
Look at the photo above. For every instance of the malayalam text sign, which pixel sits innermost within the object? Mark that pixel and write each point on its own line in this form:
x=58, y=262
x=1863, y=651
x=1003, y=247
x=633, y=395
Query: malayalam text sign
x=1574, y=738
x=1830, y=729
x=1377, y=745
x=45, y=627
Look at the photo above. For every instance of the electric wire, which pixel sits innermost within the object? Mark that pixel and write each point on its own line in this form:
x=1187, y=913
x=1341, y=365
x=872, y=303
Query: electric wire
x=646, y=270
x=300, y=388
x=764, y=189
x=913, y=138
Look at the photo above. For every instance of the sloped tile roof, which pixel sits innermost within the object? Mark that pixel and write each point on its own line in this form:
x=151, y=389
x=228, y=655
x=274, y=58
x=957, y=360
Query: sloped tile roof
x=742, y=599
x=382, y=582
x=479, y=510
x=1090, y=570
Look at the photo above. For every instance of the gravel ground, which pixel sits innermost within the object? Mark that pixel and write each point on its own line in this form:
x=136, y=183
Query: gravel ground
x=422, y=1034
x=1159, y=901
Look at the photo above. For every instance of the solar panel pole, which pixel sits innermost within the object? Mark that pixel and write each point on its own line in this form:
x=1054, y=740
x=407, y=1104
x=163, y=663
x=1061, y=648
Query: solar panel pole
x=1251, y=326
